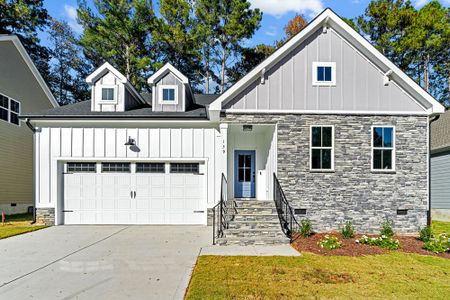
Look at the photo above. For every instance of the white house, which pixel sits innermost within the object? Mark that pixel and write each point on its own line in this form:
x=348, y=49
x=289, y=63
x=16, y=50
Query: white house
x=326, y=125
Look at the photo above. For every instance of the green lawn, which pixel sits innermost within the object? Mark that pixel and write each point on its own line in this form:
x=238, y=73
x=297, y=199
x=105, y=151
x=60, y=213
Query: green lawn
x=18, y=224
x=389, y=276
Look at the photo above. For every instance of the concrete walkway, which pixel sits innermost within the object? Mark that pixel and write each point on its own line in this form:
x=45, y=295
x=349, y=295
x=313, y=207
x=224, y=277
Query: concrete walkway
x=101, y=262
x=257, y=250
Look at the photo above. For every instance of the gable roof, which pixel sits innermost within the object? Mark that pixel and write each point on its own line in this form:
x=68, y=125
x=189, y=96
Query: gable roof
x=15, y=40
x=440, y=133
x=164, y=70
x=330, y=19
x=107, y=67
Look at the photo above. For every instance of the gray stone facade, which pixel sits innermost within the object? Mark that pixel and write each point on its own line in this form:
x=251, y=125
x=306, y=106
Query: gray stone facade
x=352, y=192
x=45, y=216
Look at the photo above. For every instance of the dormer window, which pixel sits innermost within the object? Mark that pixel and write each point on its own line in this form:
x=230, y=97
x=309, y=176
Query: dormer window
x=108, y=94
x=168, y=94
x=324, y=74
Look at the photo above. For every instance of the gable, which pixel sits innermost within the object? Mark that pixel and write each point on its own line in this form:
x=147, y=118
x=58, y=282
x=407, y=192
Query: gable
x=288, y=85
x=172, y=81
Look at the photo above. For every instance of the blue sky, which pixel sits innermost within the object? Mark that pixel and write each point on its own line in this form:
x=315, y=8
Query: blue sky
x=276, y=13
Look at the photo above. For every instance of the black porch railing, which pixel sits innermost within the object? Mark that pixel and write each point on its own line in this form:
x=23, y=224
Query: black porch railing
x=288, y=222
x=221, y=213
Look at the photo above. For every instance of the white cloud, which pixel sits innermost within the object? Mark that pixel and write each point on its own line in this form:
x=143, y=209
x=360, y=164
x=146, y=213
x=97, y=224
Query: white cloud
x=278, y=8
x=71, y=15
x=272, y=31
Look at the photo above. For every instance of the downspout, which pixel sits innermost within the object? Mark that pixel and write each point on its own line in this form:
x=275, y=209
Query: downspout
x=33, y=129
x=429, y=170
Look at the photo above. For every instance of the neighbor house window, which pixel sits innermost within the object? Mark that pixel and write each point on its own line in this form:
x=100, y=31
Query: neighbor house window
x=184, y=168
x=324, y=73
x=322, y=152
x=78, y=167
x=9, y=110
x=168, y=94
x=108, y=94
x=116, y=167
x=383, y=148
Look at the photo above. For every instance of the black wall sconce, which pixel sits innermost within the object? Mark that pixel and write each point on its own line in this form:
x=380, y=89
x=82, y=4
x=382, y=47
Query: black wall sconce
x=130, y=142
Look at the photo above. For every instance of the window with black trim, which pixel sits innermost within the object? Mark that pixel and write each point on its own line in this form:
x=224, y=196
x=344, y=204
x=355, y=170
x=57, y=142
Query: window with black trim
x=150, y=168
x=9, y=110
x=322, y=152
x=185, y=168
x=383, y=148
x=116, y=167
x=79, y=167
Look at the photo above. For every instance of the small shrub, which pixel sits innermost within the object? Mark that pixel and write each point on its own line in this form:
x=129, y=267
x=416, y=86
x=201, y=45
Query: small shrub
x=439, y=244
x=348, y=231
x=305, y=229
x=381, y=241
x=386, y=229
x=330, y=243
x=425, y=234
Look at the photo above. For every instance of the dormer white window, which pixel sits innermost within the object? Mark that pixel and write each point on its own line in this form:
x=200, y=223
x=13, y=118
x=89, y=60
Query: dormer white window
x=168, y=94
x=324, y=73
x=109, y=94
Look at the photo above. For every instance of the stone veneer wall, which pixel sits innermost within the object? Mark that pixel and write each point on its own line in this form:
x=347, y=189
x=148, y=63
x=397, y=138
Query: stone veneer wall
x=45, y=216
x=352, y=192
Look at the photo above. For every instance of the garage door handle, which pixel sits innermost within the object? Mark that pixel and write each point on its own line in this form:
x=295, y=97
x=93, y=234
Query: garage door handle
x=67, y=210
x=131, y=194
x=134, y=194
x=198, y=211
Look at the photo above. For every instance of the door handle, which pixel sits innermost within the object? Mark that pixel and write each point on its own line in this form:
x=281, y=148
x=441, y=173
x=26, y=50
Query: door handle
x=134, y=194
x=131, y=194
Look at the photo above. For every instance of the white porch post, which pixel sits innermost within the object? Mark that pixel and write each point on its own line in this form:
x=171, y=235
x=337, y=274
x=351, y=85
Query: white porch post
x=223, y=149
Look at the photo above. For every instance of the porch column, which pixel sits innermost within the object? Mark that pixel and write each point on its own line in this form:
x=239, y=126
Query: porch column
x=224, y=149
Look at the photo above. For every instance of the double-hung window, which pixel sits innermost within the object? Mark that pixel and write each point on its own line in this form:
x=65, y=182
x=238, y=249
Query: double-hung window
x=322, y=148
x=383, y=148
x=9, y=110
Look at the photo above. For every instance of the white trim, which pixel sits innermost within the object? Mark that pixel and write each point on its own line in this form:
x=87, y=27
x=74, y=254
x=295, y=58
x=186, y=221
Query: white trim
x=317, y=64
x=168, y=102
x=15, y=40
x=332, y=20
x=326, y=112
x=116, y=94
x=321, y=147
x=164, y=70
x=393, y=148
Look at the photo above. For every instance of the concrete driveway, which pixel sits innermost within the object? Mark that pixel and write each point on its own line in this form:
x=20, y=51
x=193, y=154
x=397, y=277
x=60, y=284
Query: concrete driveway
x=100, y=262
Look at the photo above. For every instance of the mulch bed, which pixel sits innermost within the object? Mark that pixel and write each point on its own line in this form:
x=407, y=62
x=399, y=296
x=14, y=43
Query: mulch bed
x=408, y=244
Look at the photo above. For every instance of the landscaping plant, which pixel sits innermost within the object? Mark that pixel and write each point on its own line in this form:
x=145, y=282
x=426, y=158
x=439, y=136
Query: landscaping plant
x=425, y=234
x=439, y=244
x=381, y=241
x=330, y=243
x=305, y=229
x=348, y=231
x=386, y=229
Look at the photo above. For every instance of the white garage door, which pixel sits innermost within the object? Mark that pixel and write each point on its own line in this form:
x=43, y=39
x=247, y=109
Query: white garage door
x=142, y=193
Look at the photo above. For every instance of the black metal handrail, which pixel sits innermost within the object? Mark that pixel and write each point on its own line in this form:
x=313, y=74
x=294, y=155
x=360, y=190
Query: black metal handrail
x=220, y=222
x=288, y=222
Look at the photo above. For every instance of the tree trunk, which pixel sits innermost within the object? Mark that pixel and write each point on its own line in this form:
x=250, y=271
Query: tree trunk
x=222, y=72
x=127, y=61
x=426, y=73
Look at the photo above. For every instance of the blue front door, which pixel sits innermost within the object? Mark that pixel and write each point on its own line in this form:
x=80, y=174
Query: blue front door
x=244, y=174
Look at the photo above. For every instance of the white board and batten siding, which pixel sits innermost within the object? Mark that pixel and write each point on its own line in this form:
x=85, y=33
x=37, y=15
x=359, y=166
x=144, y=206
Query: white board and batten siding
x=55, y=146
x=288, y=85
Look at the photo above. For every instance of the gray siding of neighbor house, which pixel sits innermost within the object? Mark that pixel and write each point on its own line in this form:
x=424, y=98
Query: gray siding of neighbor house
x=352, y=192
x=169, y=79
x=359, y=84
x=440, y=180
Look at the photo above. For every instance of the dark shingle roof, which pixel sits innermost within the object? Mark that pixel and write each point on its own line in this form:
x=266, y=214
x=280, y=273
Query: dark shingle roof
x=83, y=109
x=440, y=133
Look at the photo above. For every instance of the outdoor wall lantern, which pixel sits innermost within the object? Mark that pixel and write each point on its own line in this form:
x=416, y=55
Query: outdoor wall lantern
x=130, y=142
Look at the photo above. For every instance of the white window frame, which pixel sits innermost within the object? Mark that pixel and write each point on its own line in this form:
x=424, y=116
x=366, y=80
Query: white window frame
x=372, y=148
x=160, y=90
x=9, y=110
x=311, y=147
x=317, y=64
x=116, y=96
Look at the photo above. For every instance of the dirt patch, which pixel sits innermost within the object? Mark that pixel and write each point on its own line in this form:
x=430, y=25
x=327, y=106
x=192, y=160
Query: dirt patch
x=408, y=244
x=318, y=276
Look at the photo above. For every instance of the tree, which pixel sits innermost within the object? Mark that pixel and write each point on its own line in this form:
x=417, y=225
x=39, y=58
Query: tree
x=25, y=18
x=233, y=21
x=294, y=26
x=120, y=33
x=250, y=58
x=177, y=38
x=69, y=69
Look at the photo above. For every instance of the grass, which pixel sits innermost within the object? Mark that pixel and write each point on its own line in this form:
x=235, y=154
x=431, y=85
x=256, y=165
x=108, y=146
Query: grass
x=18, y=224
x=389, y=276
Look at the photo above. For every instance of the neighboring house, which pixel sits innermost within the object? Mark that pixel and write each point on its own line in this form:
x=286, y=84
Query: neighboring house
x=344, y=130
x=22, y=90
x=440, y=168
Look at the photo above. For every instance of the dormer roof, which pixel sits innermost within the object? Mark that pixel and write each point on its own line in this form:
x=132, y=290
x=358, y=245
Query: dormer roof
x=163, y=71
x=107, y=67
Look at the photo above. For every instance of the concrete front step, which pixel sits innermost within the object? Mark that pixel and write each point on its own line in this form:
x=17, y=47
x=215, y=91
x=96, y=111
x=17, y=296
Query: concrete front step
x=259, y=232
x=253, y=241
x=254, y=225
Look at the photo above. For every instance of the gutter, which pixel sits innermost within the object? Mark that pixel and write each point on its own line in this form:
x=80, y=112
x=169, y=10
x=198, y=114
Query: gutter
x=32, y=128
x=429, y=170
